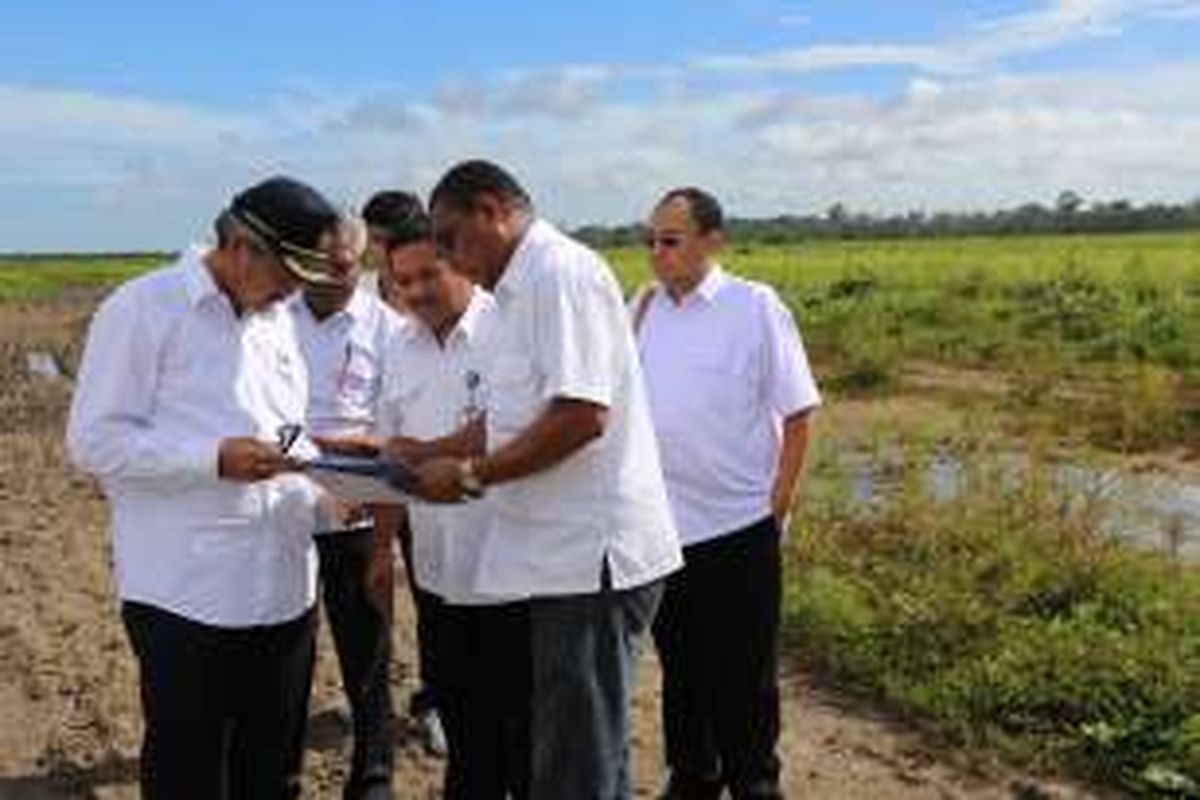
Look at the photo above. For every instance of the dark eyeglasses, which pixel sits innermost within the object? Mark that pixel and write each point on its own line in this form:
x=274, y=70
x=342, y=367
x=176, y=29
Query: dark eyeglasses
x=668, y=241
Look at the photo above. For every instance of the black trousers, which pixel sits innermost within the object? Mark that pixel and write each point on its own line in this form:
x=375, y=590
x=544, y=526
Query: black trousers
x=224, y=708
x=717, y=634
x=362, y=637
x=425, y=699
x=481, y=657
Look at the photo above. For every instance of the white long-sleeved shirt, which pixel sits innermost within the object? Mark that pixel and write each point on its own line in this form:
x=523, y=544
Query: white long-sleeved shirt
x=169, y=371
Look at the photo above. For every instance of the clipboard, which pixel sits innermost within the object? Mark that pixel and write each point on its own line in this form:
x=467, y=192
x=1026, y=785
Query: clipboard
x=363, y=480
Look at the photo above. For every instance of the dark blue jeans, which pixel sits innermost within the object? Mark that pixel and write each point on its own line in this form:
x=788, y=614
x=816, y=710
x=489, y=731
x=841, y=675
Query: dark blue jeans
x=584, y=651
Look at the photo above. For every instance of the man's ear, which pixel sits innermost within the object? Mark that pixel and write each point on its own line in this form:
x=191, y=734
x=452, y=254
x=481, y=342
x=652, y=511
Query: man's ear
x=716, y=240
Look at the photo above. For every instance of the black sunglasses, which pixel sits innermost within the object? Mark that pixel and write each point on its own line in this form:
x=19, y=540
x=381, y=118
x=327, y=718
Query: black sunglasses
x=668, y=241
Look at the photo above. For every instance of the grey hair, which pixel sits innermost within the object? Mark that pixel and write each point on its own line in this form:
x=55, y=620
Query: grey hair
x=228, y=227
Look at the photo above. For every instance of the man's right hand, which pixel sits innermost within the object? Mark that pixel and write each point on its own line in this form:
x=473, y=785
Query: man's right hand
x=247, y=460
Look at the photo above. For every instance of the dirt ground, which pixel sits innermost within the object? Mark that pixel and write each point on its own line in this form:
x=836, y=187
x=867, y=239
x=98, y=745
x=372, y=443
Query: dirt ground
x=69, y=722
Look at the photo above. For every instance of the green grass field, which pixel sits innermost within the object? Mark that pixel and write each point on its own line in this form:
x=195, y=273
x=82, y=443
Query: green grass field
x=985, y=302
x=1118, y=315
x=866, y=307
x=37, y=278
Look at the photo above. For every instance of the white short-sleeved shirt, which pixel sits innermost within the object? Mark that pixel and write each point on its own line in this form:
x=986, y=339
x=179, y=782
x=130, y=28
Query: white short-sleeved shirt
x=724, y=367
x=169, y=371
x=431, y=390
x=560, y=330
x=344, y=355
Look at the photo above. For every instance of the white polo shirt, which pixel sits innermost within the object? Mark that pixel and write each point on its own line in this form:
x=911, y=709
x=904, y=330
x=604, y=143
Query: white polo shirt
x=434, y=389
x=724, y=368
x=561, y=331
x=169, y=371
x=344, y=354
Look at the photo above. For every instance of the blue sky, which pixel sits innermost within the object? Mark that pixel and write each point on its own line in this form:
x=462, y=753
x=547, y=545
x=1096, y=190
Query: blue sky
x=127, y=124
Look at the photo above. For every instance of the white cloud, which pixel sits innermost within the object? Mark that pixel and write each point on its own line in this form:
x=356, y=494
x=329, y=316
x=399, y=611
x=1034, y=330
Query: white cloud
x=99, y=118
x=599, y=143
x=822, y=58
x=991, y=42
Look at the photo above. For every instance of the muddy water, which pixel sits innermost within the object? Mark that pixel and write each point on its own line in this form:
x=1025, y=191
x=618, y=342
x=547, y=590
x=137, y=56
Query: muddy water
x=1152, y=511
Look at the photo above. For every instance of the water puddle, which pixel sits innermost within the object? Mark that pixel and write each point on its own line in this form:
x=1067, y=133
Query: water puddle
x=1151, y=511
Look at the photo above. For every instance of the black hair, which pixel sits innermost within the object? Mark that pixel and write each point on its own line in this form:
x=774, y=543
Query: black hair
x=465, y=182
x=401, y=215
x=704, y=208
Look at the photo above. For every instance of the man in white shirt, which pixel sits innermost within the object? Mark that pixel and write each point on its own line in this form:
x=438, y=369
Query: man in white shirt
x=400, y=237
x=731, y=395
x=579, y=515
x=343, y=330
x=435, y=388
x=188, y=374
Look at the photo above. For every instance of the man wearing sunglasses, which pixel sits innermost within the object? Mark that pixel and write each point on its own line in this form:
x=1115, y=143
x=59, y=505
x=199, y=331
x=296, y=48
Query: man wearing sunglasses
x=188, y=374
x=343, y=331
x=731, y=395
x=579, y=520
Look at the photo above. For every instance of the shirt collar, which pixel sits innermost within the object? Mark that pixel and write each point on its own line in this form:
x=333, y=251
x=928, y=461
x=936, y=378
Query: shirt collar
x=712, y=284
x=516, y=271
x=467, y=325
x=707, y=290
x=358, y=308
x=197, y=276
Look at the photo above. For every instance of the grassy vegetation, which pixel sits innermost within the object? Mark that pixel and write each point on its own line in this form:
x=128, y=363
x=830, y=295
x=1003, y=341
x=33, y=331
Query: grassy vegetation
x=987, y=302
x=1117, y=315
x=25, y=278
x=1002, y=614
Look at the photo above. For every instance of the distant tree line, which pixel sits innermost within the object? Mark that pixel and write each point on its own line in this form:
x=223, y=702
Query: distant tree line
x=1070, y=213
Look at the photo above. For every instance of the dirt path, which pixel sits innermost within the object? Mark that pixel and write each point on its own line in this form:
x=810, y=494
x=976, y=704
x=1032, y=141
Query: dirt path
x=68, y=705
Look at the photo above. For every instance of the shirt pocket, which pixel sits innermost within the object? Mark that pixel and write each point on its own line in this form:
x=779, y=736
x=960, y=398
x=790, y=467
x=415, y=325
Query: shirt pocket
x=513, y=395
x=357, y=380
x=720, y=381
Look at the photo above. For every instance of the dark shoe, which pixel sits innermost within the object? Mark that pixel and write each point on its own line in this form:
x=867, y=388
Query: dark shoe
x=684, y=787
x=762, y=790
x=376, y=790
